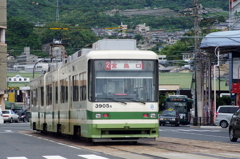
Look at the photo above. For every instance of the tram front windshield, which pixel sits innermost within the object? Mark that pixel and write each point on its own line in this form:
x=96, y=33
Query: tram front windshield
x=125, y=81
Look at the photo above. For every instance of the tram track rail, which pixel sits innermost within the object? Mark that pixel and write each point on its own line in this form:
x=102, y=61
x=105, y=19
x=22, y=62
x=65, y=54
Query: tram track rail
x=146, y=149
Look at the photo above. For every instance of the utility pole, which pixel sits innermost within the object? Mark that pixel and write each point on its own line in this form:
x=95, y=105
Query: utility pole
x=198, y=69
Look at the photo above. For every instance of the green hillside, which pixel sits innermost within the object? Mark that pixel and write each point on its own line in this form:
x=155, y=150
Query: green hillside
x=29, y=21
x=92, y=13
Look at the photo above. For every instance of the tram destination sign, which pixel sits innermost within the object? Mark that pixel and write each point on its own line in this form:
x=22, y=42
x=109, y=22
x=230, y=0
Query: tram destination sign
x=123, y=65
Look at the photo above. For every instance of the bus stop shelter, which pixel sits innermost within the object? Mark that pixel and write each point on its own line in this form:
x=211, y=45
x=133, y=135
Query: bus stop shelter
x=226, y=42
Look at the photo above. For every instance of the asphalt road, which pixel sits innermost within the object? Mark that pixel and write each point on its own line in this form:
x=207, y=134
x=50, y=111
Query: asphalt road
x=203, y=133
x=16, y=145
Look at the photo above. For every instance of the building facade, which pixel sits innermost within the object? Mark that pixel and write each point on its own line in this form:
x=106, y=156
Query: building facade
x=3, y=52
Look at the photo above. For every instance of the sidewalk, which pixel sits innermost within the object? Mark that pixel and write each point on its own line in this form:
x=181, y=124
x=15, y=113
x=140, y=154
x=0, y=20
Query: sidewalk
x=206, y=126
x=203, y=126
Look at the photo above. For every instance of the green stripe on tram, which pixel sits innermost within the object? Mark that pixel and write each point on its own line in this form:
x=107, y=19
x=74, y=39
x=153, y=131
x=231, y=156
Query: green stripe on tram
x=121, y=115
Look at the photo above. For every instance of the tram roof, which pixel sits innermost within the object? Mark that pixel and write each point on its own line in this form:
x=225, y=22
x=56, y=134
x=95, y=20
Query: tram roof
x=227, y=41
x=124, y=54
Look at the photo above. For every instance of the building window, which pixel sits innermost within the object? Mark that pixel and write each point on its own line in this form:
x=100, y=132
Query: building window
x=2, y=35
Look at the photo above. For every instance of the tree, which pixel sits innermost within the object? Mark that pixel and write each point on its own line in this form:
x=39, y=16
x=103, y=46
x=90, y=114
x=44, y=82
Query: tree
x=76, y=36
x=162, y=100
x=20, y=34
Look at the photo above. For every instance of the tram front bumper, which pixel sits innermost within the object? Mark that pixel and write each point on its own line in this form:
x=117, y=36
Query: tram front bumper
x=122, y=132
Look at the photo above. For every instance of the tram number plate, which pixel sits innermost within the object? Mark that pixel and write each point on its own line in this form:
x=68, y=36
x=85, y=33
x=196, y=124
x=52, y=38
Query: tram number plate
x=103, y=106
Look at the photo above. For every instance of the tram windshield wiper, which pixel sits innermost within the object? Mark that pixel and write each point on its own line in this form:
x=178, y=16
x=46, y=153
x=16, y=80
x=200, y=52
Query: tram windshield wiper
x=135, y=100
x=117, y=101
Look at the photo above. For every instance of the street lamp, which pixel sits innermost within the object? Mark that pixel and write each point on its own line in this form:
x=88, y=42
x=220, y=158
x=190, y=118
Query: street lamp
x=35, y=65
x=217, y=52
x=218, y=82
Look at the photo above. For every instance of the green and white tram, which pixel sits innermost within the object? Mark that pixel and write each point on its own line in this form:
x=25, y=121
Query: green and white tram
x=108, y=94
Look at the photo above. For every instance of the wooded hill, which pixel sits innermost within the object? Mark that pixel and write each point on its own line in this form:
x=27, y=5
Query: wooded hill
x=92, y=13
x=26, y=16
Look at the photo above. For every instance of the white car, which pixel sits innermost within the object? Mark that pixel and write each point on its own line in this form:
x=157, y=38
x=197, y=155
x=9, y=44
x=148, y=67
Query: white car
x=10, y=116
x=1, y=115
x=224, y=114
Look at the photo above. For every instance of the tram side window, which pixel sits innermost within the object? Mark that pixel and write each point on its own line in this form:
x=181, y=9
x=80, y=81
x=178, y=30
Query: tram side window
x=66, y=89
x=90, y=79
x=49, y=94
x=75, y=83
x=62, y=91
x=83, y=92
x=34, y=97
x=42, y=96
x=56, y=92
x=83, y=86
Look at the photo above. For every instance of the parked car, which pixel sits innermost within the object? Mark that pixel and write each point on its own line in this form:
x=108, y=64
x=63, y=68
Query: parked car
x=24, y=116
x=1, y=115
x=234, y=126
x=224, y=114
x=10, y=116
x=169, y=116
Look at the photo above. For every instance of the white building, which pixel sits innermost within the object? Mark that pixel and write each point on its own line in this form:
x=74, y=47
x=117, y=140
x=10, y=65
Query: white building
x=142, y=28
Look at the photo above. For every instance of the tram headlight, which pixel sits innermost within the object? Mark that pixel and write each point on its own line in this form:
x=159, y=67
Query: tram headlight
x=98, y=115
x=152, y=115
x=173, y=119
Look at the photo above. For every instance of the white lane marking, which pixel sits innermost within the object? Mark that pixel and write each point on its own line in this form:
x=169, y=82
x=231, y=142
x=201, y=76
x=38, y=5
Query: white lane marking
x=16, y=158
x=54, y=157
x=59, y=143
x=190, y=130
x=202, y=130
x=7, y=131
x=92, y=157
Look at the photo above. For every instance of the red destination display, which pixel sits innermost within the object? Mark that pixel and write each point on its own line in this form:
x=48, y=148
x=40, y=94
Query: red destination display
x=124, y=65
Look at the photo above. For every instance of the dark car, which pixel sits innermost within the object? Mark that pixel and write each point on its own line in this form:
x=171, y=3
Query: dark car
x=169, y=116
x=24, y=116
x=234, y=127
